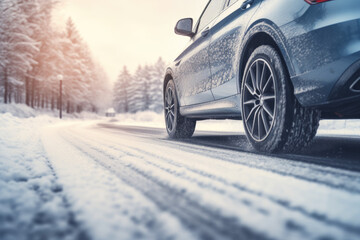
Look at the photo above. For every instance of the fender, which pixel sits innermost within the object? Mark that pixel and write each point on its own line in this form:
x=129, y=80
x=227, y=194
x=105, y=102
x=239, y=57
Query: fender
x=269, y=28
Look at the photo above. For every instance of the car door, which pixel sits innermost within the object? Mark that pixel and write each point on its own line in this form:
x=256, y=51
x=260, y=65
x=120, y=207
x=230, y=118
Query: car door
x=193, y=65
x=227, y=32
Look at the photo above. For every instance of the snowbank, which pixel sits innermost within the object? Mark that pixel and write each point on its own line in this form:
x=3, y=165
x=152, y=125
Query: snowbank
x=24, y=111
x=18, y=110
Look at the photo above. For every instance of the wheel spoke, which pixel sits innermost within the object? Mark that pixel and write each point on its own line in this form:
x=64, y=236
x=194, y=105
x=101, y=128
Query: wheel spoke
x=253, y=79
x=251, y=91
x=268, y=97
x=268, y=111
x=265, y=122
x=254, y=121
x=253, y=110
x=168, y=122
x=267, y=83
x=262, y=76
x=257, y=76
x=252, y=101
x=259, y=123
x=170, y=96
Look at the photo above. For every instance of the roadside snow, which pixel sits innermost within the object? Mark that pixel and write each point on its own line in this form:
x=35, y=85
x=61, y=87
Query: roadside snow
x=24, y=111
x=32, y=205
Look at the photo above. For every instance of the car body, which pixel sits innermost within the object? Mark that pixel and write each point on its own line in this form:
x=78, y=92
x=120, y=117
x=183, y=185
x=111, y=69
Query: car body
x=319, y=46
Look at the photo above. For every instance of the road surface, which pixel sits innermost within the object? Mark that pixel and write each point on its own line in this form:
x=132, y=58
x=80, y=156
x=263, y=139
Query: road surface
x=213, y=185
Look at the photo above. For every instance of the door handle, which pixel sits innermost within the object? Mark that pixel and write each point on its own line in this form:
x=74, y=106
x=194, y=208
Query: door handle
x=247, y=4
x=205, y=32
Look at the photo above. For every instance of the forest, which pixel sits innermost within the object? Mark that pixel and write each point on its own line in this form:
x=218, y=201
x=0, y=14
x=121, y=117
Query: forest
x=141, y=91
x=33, y=53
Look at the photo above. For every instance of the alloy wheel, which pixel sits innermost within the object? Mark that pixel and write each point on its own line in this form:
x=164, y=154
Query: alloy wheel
x=259, y=100
x=169, y=109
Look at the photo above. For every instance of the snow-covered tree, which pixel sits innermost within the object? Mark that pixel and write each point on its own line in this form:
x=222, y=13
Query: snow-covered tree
x=17, y=48
x=156, y=87
x=122, y=91
x=143, y=91
x=33, y=53
x=136, y=92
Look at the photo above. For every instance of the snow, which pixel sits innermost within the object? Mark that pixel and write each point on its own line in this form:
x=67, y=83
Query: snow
x=151, y=119
x=69, y=179
x=123, y=212
x=24, y=111
x=31, y=200
x=111, y=110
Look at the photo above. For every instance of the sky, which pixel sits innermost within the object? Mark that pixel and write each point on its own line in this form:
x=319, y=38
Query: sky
x=129, y=32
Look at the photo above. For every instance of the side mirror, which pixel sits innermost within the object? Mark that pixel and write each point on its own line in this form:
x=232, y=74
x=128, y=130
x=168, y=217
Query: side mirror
x=184, y=27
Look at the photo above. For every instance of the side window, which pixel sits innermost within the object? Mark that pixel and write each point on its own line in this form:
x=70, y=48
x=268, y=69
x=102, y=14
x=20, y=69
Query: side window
x=212, y=11
x=231, y=2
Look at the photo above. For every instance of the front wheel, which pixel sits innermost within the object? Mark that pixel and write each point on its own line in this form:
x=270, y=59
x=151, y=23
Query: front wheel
x=273, y=119
x=177, y=126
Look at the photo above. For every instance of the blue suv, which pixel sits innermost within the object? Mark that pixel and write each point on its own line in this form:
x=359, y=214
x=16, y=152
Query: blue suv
x=279, y=65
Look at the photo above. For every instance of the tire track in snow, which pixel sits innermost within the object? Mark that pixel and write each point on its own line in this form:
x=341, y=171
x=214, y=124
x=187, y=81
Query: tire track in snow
x=336, y=178
x=345, y=180
x=284, y=203
x=209, y=225
x=237, y=145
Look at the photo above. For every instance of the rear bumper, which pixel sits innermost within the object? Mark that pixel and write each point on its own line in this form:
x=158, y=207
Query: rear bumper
x=334, y=82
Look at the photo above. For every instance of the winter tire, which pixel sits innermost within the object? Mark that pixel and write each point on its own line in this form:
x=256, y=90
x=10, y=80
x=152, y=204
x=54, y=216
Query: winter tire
x=177, y=126
x=273, y=119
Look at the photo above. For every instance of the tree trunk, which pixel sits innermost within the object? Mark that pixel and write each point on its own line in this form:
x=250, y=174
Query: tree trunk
x=52, y=102
x=68, y=107
x=6, y=87
x=126, y=102
x=27, y=91
x=10, y=93
x=32, y=93
x=38, y=98
x=46, y=101
x=42, y=101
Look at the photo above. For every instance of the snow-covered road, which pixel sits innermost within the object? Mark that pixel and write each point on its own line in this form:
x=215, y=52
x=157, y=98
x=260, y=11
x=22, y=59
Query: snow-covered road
x=133, y=183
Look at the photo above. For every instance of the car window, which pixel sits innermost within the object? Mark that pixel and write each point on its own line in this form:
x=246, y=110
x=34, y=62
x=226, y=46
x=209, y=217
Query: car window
x=212, y=11
x=231, y=2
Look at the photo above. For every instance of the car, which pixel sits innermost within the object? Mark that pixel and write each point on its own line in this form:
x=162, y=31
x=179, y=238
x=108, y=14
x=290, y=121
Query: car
x=110, y=113
x=279, y=65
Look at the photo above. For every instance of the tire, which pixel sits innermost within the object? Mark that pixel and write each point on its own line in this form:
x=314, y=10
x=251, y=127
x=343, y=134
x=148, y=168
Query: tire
x=177, y=126
x=274, y=120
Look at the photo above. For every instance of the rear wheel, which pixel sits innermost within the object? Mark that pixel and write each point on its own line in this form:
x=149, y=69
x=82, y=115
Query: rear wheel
x=177, y=126
x=273, y=118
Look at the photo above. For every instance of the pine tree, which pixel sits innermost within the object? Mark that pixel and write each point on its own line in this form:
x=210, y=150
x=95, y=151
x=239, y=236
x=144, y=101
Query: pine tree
x=136, y=92
x=122, y=91
x=76, y=88
x=156, y=86
x=146, y=84
x=17, y=48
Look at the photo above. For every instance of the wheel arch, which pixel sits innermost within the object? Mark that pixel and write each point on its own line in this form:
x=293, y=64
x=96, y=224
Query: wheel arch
x=264, y=32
